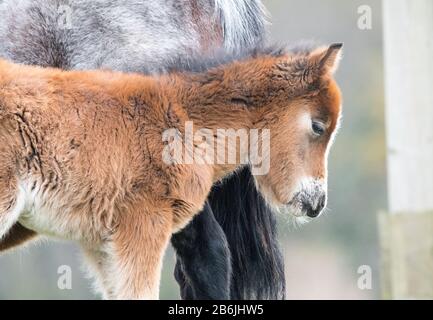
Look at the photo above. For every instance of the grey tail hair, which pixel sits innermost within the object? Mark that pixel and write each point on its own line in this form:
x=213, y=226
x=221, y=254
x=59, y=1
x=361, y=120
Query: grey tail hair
x=243, y=23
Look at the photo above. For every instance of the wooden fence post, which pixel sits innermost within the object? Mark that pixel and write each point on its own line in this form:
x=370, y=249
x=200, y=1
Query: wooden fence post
x=406, y=231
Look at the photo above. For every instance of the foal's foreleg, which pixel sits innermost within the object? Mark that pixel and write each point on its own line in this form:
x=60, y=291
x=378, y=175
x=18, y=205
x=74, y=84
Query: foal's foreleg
x=98, y=268
x=133, y=264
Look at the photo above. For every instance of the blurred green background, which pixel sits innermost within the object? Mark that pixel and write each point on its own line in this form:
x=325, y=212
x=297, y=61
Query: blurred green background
x=323, y=257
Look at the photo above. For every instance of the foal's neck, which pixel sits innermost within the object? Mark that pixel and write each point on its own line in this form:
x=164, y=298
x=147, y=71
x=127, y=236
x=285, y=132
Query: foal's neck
x=220, y=101
x=228, y=96
x=211, y=107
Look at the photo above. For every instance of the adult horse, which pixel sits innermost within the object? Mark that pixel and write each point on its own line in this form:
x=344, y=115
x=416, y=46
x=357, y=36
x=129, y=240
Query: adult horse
x=229, y=250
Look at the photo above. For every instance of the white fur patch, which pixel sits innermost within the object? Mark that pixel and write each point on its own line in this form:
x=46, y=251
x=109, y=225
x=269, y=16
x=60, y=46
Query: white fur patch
x=305, y=121
x=44, y=214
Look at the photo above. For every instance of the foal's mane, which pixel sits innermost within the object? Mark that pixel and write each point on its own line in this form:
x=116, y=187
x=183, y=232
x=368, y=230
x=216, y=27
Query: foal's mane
x=204, y=62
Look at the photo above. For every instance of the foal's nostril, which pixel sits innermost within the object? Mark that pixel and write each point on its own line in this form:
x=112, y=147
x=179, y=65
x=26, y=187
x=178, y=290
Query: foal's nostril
x=314, y=212
x=322, y=202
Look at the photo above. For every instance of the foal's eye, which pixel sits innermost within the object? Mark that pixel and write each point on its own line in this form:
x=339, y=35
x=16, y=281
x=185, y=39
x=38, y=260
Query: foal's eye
x=318, y=128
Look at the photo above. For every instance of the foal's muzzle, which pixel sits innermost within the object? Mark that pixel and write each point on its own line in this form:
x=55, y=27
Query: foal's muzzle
x=314, y=208
x=310, y=200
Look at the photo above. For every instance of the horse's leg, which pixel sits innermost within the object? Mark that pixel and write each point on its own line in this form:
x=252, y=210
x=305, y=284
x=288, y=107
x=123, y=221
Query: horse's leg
x=16, y=236
x=97, y=262
x=132, y=266
x=203, y=268
x=250, y=228
x=186, y=292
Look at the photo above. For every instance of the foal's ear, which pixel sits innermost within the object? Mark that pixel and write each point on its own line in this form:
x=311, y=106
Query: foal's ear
x=327, y=59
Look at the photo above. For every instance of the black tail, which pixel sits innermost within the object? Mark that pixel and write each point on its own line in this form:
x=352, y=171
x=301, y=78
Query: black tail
x=250, y=228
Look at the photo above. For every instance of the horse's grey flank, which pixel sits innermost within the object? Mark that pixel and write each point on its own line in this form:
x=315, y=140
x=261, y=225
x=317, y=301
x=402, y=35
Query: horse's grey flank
x=154, y=36
x=123, y=35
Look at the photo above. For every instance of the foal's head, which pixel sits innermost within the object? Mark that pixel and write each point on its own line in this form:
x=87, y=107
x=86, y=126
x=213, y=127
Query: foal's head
x=302, y=114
